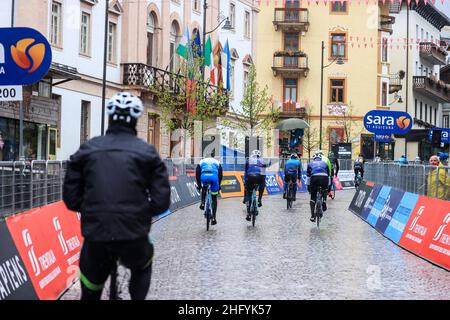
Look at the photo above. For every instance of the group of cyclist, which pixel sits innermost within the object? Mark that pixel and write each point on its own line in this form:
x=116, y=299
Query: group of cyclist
x=319, y=174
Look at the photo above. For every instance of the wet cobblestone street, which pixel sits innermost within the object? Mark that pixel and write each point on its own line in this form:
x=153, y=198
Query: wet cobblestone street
x=284, y=256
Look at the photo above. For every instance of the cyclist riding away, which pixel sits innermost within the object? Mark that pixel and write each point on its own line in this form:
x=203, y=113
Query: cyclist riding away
x=358, y=166
x=117, y=182
x=317, y=175
x=330, y=166
x=209, y=171
x=292, y=172
x=254, y=176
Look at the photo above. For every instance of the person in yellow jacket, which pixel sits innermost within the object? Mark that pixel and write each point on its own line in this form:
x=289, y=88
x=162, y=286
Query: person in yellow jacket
x=442, y=182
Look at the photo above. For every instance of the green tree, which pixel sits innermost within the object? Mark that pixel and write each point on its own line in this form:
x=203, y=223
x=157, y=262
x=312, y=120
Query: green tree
x=311, y=134
x=255, y=116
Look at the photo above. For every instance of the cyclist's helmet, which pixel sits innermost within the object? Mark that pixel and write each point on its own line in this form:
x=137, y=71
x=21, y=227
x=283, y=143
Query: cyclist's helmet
x=256, y=153
x=124, y=107
x=317, y=156
x=294, y=156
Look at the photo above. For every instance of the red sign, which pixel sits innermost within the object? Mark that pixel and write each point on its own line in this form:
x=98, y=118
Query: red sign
x=437, y=246
x=49, y=242
x=425, y=233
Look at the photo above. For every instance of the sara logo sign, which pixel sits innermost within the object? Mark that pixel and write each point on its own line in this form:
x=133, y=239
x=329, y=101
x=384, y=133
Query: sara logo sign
x=25, y=56
x=388, y=122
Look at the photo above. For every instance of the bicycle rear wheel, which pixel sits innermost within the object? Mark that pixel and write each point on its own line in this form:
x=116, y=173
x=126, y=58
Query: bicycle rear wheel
x=254, y=208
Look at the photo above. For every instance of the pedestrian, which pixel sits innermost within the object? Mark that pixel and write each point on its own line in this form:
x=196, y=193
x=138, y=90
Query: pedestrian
x=118, y=183
x=438, y=181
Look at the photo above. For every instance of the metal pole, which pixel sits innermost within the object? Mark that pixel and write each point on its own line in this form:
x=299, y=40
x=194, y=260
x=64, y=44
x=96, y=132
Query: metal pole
x=321, y=96
x=21, y=153
x=205, y=7
x=105, y=46
x=12, y=13
x=407, y=70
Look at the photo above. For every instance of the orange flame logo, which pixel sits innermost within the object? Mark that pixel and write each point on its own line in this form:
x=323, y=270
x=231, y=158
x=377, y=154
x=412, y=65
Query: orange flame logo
x=403, y=122
x=35, y=51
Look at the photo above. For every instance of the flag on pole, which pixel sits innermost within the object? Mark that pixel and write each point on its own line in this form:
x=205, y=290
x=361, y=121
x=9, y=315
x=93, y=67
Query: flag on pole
x=217, y=54
x=226, y=57
x=209, y=59
x=183, y=46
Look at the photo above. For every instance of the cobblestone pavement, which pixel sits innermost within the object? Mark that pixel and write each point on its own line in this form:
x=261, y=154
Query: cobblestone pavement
x=283, y=257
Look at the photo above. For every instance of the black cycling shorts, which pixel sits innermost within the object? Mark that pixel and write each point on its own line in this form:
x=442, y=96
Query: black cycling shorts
x=97, y=259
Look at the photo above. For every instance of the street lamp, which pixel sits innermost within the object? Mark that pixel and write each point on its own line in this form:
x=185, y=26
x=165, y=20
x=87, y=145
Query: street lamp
x=105, y=47
x=338, y=61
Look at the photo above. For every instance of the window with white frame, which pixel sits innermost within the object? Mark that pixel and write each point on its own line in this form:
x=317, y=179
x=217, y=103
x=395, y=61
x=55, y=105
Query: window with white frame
x=246, y=72
x=151, y=41
x=55, y=24
x=85, y=33
x=112, y=42
x=247, y=24
x=85, y=121
x=446, y=121
x=232, y=14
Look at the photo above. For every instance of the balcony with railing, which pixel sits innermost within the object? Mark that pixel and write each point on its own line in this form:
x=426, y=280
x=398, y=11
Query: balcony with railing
x=140, y=76
x=433, y=53
x=434, y=89
x=290, y=64
x=395, y=83
x=386, y=23
x=291, y=109
x=291, y=19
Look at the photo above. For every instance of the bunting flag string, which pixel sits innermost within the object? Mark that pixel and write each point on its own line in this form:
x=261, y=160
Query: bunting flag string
x=302, y=3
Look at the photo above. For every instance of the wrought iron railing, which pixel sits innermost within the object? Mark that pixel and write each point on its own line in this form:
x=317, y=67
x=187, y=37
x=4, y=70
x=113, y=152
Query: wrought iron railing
x=151, y=78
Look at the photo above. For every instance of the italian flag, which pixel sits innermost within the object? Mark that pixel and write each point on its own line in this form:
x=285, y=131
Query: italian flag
x=183, y=46
x=209, y=59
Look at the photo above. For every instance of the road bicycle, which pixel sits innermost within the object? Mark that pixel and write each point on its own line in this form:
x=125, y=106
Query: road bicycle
x=318, y=208
x=358, y=180
x=252, y=206
x=332, y=193
x=290, y=194
x=118, y=282
x=208, y=207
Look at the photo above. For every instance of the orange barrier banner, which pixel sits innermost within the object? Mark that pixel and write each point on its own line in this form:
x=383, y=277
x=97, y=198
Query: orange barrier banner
x=426, y=232
x=49, y=242
x=232, y=184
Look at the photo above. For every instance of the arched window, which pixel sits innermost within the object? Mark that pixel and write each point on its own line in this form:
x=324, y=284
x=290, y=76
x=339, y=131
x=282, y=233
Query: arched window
x=174, y=39
x=151, y=39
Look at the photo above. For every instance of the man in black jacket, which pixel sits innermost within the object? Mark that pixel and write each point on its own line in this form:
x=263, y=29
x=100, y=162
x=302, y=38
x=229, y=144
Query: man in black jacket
x=118, y=183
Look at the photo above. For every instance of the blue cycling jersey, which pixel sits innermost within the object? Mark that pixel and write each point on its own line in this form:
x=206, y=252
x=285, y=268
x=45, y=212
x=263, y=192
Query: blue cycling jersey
x=293, y=167
x=318, y=168
x=254, y=166
x=209, y=165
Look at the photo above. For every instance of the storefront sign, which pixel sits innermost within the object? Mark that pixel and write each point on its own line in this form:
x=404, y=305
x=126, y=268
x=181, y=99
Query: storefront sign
x=388, y=122
x=11, y=93
x=25, y=56
x=383, y=137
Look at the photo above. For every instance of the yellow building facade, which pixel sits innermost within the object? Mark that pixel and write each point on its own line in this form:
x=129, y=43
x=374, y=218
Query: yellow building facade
x=355, y=74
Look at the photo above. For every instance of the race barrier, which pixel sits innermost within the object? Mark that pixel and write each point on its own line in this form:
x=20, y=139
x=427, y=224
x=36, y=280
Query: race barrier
x=40, y=253
x=416, y=223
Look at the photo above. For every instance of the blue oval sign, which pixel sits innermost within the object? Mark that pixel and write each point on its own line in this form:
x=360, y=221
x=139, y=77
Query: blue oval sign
x=388, y=122
x=25, y=56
